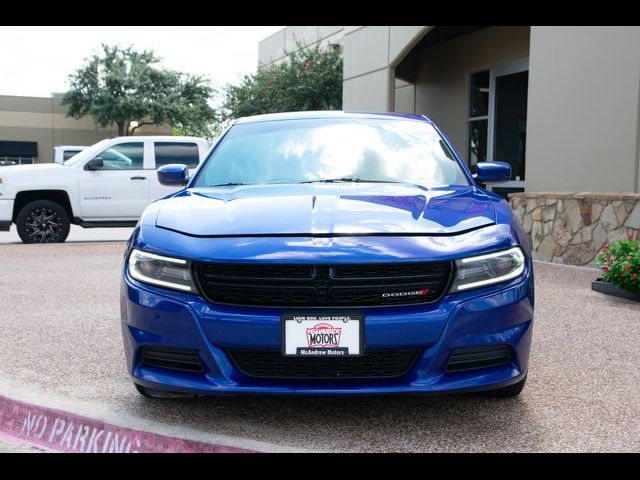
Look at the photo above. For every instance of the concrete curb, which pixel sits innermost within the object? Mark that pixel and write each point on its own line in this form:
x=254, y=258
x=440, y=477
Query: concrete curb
x=19, y=405
x=59, y=431
x=570, y=267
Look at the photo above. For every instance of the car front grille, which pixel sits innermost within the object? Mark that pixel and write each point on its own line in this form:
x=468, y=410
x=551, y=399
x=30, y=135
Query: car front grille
x=372, y=364
x=352, y=285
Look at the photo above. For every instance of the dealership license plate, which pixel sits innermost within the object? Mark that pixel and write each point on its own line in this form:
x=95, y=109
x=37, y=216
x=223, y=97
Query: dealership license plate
x=322, y=334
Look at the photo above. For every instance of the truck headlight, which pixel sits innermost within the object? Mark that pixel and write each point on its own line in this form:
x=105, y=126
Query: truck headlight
x=483, y=270
x=167, y=272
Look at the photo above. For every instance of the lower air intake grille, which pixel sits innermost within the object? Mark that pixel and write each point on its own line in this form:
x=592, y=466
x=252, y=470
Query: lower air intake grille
x=373, y=364
x=479, y=357
x=173, y=358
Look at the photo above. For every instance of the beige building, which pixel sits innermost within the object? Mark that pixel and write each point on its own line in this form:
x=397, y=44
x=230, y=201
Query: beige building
x=30, y=127
x=560, y=104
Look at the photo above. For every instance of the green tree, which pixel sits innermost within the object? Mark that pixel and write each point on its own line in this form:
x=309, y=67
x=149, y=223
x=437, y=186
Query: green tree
x=122, y=85
x=311, y=79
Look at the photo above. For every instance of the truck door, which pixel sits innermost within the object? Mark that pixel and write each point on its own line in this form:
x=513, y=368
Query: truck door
x=117, y=189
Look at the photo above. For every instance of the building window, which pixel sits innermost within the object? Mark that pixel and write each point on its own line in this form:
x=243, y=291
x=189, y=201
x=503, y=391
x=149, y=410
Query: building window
x=478, y=117
x=18, y=153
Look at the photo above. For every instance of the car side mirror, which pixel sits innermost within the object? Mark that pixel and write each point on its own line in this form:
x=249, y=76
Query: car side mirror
x=94, y=164
x=492, y=172
x=173, y=174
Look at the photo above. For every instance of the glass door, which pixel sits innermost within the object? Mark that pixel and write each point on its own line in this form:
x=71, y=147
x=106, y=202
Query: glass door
x=507, y=133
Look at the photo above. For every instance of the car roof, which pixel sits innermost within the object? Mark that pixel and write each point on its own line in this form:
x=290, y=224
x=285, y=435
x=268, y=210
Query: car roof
x=331, y=114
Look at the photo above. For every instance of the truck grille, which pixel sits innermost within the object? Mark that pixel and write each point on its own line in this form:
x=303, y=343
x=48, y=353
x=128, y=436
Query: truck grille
x=373, y=364
x=353, y=285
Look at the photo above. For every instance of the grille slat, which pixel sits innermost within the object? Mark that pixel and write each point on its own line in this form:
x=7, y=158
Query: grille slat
x=173, y=358
x=244, y=270
x=479, y=357
x=373, y=364
x=285, y=285
x=402, y=270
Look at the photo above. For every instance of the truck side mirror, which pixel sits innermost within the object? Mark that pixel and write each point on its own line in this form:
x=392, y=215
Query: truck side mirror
x=94, y=164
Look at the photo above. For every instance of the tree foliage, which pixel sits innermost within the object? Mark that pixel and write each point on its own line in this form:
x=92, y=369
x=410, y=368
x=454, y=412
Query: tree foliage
x=122, y=85
x=310, y=79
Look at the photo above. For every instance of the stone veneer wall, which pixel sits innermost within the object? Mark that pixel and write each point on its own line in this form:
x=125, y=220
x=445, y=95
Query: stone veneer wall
x=571, y=228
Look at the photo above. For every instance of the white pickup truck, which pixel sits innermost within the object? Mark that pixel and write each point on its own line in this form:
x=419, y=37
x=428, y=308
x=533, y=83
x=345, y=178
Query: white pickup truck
x=106, y=185
x=64, y=152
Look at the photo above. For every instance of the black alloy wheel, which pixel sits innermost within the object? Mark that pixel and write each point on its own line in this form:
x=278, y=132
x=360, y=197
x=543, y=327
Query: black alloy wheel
x=43, y=221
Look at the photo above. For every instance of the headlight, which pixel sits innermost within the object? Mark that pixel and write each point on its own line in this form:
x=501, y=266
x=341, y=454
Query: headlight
x=165, y=272
x=483, y=270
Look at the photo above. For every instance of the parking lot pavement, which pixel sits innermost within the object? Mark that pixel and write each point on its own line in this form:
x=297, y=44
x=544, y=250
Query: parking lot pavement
x=7, y=446
x=78, y=234
x=61, y=338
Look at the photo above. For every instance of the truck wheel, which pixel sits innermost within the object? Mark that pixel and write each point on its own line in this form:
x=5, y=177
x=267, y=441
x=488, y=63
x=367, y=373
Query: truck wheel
x=43, y=221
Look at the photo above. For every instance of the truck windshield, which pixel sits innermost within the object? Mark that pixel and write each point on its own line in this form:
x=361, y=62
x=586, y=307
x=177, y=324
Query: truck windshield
x=88, y=152
x=316, y=150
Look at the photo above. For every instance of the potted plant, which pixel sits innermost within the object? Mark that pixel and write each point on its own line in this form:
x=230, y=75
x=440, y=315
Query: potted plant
x=620, y=265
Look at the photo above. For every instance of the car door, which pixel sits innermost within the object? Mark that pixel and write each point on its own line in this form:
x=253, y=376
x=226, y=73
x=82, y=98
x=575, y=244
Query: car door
x=119, y=189
x=185, y=152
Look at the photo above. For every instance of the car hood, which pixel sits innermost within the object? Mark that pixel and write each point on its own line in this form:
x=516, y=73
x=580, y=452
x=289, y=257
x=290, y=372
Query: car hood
x=326, y=210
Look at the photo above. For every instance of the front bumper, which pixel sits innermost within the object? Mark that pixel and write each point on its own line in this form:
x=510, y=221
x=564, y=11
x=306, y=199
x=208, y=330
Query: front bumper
x=492, y=316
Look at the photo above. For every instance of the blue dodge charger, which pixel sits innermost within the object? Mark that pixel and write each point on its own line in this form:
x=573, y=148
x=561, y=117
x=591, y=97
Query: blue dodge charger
x=329, y=253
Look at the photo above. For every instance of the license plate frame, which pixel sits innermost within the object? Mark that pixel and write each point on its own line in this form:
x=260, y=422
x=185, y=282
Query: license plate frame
x=345, y=321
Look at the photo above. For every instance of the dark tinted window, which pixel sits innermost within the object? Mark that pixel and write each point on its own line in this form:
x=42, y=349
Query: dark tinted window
x=176, y=152
x=479, y=104
x=67, y=154
x=124, y=156
x=477, y=142
x=478, y=118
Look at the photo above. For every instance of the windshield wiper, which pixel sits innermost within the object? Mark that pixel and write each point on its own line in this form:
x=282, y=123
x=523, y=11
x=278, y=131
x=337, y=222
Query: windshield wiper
x=346, y=179
x=229, y=184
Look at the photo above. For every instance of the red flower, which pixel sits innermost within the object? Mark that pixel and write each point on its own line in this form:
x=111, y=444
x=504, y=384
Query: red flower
x=605, y=269
x=627, y=267
x=606, y=246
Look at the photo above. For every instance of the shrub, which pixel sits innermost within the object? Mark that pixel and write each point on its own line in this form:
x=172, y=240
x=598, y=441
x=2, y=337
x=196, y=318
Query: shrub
x=620, y=264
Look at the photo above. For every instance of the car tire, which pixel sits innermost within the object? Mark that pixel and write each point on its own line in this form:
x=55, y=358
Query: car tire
x=155, y=393
x=43, y=221
x=508, y=392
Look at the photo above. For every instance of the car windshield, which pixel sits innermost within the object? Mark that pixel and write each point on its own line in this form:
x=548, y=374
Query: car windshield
x=335, y=150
